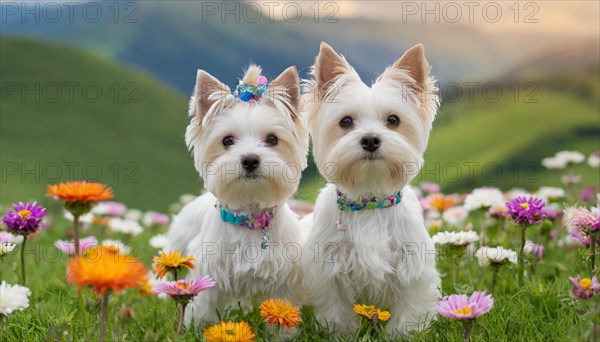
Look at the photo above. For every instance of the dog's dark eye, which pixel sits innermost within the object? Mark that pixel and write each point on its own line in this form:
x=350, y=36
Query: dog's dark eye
x=393, y=121
x=271, y=140
x=346, y=122
x=228, y=140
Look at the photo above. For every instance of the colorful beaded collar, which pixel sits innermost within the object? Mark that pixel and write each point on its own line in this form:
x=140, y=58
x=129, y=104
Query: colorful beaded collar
x=368, y=203
x=240, y=218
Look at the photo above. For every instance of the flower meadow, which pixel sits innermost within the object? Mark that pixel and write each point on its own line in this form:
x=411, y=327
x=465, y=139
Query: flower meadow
x=515, y=265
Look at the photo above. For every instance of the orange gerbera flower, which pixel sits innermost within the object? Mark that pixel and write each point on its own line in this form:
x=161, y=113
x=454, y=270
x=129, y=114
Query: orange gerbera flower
x=171, y=262
x=281, y=312
x=106, y=270
x=369, y=311
x=84, y=192
x=440, y=202
x=229, y=332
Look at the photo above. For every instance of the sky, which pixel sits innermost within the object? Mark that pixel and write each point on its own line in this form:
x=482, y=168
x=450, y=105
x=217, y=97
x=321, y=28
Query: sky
x=577, y=17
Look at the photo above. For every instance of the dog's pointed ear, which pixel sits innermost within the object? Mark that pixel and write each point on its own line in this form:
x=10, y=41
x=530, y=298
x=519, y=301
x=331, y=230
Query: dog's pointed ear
x=413, y=61
x=329, y=65
x=287, y=87
x=208, y=90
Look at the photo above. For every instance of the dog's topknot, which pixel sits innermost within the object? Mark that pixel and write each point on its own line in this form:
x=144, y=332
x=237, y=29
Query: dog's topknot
x=251, y=75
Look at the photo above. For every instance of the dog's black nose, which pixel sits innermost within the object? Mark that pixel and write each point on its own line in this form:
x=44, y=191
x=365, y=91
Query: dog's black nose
x=250, y=162
x=370, y=143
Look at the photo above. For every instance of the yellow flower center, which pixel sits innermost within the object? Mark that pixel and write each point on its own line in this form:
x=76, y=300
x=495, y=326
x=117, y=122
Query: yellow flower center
x=524, y=205
x=585, y=283
x=183, y=286
x=24, y=213
x=464, y=311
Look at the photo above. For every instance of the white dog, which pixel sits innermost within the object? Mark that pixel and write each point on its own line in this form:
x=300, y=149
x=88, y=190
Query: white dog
x=250, y=151
x=368, y=243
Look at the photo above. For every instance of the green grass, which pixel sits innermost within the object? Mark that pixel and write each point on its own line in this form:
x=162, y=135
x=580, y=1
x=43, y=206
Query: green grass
x=539, y=311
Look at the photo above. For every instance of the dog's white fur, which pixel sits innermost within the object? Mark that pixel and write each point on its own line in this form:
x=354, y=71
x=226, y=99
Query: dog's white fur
x=231, y=254
x=383, y=257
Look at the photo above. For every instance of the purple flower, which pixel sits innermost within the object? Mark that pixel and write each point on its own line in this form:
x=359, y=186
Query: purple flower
x=582, y=237
x=526, y=210
x=185, y=289
x=24, y=218
x=584, y=288
x=532, y=248
x=584, y=219
x=587, y=194
x=551, y=214
x=68, y=247
x=462, y=307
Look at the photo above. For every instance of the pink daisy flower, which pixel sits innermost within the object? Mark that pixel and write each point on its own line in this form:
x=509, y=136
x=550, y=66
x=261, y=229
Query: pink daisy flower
x=182, y=288
x=68, y=247
x=463, y=307
x=584, y=288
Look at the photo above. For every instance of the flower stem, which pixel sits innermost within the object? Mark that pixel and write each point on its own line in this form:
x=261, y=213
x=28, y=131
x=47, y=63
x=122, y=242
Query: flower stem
x=82, y=310
x=23, y=279
x=482, y=241
x=103, y=316
x=175, y=274
x=451, y=273
x=592, y=252
x=76, y=233
x=467, y=325
x=522, y=256
x=276, y=334
x=495, y=277
x=181, y=315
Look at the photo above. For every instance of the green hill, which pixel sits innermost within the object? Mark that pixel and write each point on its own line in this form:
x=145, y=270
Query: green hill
x=69, y=114
x=515, y=135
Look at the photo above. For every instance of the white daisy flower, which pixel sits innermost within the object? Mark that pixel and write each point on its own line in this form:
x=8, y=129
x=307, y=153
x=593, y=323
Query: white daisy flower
x=495, y=255
x=85, y=218
x=594, y=159
x=11, y=238
x=570, y=157
x=455, y=216
x=13, y=298
x=563, y=159
x=125, y=226
x=159, y=241
x=455, y=238
x=483, y=198
x=552, y=163
x=550, y=193
x=133, y=215
x=6, y=247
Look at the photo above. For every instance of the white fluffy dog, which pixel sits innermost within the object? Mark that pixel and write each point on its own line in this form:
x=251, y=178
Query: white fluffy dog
x=368, y=243
x=250, y=153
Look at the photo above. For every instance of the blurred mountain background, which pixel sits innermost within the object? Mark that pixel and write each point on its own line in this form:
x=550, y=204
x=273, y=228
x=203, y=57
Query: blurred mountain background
x=143, y=55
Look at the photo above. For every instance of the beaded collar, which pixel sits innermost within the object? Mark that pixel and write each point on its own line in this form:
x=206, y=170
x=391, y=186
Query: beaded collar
x=368, y=203
x=240, y=218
